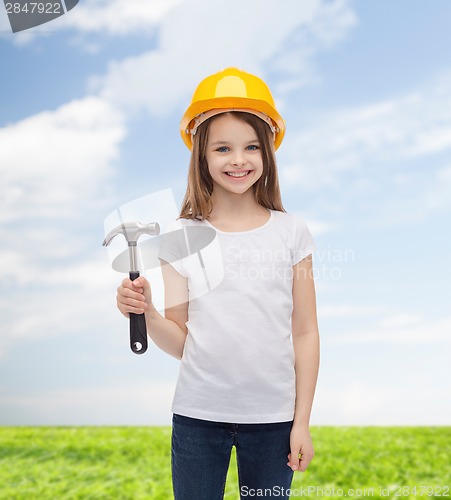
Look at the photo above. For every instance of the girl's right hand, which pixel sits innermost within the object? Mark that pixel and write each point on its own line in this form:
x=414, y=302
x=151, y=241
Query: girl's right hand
x=134, y=296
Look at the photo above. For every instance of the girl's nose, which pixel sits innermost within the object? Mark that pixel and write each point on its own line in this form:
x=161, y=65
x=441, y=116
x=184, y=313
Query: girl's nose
x=239, y=161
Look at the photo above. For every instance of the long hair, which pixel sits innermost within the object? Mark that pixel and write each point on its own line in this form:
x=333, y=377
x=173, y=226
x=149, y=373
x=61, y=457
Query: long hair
x=197, y=202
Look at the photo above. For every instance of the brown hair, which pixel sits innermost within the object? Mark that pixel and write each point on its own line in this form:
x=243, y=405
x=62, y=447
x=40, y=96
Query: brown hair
x=197, y=201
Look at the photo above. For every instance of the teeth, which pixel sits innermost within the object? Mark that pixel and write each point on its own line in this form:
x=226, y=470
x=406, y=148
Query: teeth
x=233, y=174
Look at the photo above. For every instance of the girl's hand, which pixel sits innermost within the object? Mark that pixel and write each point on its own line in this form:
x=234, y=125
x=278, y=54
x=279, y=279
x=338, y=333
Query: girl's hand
x=300, y=444
x=134, y=297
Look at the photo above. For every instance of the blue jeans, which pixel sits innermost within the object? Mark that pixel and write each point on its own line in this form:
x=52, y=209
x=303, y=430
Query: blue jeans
x=201, y=454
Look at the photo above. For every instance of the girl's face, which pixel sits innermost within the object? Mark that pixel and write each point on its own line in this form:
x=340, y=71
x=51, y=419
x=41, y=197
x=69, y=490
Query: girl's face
x=233, y=155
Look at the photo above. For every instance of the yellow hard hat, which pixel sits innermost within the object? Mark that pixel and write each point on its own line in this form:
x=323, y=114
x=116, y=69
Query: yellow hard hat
x=231, y=90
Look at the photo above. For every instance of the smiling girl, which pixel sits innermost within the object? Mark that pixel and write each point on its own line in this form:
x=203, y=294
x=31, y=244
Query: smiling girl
x=249, y=348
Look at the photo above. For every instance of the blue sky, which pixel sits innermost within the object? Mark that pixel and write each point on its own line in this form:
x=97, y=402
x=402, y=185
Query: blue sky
x=89, y=108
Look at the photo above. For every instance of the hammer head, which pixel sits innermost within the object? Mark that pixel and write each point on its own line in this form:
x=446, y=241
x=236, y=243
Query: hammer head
x=132, y=231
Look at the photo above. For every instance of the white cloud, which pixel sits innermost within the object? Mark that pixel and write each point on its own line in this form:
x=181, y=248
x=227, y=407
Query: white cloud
x=437, y=194
x=375, y=139
x=412, y=331
x=45, y=301
x=102, y=17
x=51, y=297
x=53, y=162
x=189, y=25
x=118, y=17
x=120, y=404
x=201, y=37
x=327, y=25
x=350, y=311
x=56, y=171
x=417, y=196
x=317, y=228
x=400, y=320
x=389, y=402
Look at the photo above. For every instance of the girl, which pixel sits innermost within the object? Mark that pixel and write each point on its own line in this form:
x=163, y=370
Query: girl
x=249, y=348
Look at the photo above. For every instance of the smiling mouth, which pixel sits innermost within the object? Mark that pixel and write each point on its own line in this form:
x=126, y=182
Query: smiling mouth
x=238, y=175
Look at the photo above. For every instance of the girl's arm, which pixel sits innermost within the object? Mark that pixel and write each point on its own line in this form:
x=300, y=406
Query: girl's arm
x=305, y=336
x=169, y=332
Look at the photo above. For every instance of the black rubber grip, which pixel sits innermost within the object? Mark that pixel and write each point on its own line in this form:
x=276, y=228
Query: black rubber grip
x=138, y=329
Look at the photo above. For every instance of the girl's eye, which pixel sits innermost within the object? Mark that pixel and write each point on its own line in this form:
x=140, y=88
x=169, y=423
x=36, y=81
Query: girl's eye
x=222, y=149
x=253, y=147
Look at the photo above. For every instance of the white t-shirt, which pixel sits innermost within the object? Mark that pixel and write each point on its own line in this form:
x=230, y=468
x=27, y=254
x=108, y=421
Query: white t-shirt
x=238, y=360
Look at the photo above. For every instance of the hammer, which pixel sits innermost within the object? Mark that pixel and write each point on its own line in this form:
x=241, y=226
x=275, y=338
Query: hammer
x=132, y=231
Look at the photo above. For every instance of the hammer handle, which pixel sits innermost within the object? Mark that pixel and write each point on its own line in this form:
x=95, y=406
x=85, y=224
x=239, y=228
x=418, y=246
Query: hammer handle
x=138, y=330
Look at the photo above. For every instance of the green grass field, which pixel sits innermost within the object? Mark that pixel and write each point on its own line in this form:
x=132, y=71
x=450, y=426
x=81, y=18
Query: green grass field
x=134, y=463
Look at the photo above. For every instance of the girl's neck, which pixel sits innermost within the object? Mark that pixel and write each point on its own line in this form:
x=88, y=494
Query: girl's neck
x=242, y=206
